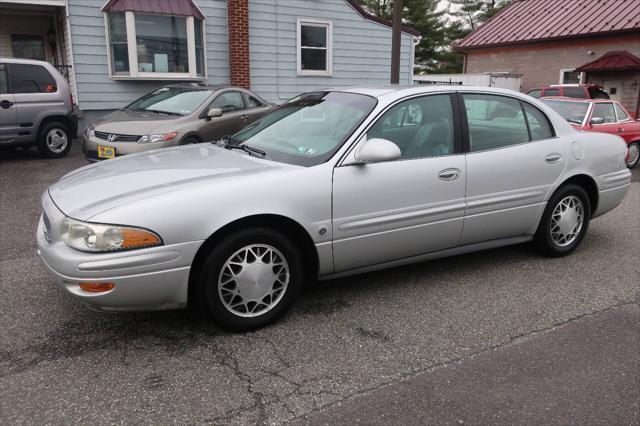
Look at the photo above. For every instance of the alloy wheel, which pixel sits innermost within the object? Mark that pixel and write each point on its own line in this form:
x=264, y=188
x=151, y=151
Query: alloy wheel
x=56, y=140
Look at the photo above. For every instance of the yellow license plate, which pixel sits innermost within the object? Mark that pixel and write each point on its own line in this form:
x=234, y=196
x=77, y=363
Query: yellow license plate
x=106, y=152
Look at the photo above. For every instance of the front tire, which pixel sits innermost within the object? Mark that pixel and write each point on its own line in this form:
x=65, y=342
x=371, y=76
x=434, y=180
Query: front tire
x=54, y=140
x=565, y=221
x=634, y=155
x=250, y=279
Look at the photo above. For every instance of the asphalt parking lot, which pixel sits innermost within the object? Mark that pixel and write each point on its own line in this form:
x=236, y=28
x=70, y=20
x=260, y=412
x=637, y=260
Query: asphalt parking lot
x=347, y=346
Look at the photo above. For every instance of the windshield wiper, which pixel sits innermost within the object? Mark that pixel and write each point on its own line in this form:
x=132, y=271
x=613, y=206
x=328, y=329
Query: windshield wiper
x=227, y=143
x=157, y=111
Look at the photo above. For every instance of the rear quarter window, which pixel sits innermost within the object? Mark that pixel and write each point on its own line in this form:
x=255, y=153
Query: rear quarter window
x=28, y=78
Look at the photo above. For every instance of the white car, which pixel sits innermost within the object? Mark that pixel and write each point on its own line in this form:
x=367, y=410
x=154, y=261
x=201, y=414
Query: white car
x=330, y=184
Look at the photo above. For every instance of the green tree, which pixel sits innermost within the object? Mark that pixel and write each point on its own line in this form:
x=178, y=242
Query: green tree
x=475, y=12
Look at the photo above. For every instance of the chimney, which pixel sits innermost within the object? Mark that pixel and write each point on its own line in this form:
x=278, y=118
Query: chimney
x=238, y=28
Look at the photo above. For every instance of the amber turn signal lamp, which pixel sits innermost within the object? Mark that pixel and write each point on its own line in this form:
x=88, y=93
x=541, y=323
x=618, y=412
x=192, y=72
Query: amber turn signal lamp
x=97, y=287
x=133, y=238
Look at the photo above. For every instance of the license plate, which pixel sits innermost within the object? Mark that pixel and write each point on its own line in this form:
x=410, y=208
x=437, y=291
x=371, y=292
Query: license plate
x=106, y=152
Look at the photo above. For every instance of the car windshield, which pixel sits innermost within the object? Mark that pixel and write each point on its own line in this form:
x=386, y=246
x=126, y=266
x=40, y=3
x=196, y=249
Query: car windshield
x=573, y=112
x=308, y=129
x=171, y=100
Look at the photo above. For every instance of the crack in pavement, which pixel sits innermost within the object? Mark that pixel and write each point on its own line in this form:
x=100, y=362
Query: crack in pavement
x=512, y=341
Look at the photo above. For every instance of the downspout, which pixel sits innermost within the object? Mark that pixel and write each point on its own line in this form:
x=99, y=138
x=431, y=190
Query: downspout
x=73, y=59
x=278, y=54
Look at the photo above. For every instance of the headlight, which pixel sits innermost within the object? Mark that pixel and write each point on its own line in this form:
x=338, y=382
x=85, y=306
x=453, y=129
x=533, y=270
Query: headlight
x=95, y=237
x=158, y=138
x=91, y=132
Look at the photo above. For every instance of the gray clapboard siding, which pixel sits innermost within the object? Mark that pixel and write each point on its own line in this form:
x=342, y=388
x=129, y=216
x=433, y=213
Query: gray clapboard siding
x=96, y=91
x=361, y=48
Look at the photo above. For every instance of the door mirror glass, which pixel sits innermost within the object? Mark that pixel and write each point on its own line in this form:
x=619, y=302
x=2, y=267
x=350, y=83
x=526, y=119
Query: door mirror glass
x=214, y=112
x=597, y=120
x=377, y=150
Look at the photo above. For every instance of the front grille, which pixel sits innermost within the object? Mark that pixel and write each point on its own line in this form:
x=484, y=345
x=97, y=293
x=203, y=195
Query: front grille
x=118, y=137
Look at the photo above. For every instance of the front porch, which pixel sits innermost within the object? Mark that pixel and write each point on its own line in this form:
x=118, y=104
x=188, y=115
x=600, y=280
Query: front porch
x=37, y=29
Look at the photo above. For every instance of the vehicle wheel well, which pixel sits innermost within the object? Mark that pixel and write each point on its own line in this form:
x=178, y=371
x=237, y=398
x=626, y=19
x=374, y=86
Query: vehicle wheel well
x=191, y=136
x=589, y=185
x=287, y=226
x=59, y=118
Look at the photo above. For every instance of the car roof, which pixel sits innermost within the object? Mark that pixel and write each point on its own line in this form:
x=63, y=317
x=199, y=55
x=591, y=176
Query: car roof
x=23, y=61
x=400, y=91
x=588, y=101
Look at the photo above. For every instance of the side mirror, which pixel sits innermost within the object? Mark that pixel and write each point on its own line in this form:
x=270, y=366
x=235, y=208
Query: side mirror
x=596, y=120
x=378, y=150
x=214, y=112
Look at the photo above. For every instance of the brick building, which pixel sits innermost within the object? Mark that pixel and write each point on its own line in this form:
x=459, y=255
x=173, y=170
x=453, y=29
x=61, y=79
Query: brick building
x=568, y=41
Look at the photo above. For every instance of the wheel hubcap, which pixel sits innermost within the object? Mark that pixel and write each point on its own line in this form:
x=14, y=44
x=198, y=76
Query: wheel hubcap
x=56, y=140
x=634, y=151
x=567, y=220
x=253, y=280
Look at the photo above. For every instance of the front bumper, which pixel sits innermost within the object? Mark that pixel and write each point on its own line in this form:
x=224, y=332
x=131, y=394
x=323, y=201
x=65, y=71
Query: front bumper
x=90, y=147
x=148, y=279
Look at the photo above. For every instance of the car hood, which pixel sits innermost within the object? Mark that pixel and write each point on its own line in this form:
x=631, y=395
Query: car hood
x=129, y=122
x=99, y=187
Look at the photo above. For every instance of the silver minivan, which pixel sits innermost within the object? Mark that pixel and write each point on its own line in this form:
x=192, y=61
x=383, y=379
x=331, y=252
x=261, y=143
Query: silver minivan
x=36, y=108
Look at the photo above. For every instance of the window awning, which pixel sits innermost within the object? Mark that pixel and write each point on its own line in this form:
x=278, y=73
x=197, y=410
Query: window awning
x=612, y=61
x=161, y=7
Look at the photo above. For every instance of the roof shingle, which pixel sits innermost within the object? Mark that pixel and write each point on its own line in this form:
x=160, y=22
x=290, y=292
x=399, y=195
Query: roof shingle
x=524, y=21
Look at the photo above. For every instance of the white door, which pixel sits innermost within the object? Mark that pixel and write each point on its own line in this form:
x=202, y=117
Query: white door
x=414, y=205
x=513, y=161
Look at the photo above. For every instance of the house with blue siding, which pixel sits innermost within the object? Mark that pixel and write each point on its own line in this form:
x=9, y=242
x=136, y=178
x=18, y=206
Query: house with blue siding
x=116, y=51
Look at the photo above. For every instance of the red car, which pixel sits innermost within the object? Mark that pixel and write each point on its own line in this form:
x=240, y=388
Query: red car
x=601, y=115
x=579, y=91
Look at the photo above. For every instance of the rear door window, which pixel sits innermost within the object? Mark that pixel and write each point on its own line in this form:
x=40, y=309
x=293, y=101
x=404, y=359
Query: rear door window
x=552, y=92
x=574, y=92
x=28, y=78
x=494, y=122
x=538, y=123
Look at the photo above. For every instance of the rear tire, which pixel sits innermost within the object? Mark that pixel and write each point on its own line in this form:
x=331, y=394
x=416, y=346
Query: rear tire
x=249, y=279
x=634, y=151
x=54, y=140
x=565, y=221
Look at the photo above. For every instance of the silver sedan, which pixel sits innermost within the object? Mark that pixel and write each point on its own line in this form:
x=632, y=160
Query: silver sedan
x=330, y=184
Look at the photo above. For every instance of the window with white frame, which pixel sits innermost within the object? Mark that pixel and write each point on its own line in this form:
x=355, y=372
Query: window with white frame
x=570, y=76
x=148, y=46
x=315, y=47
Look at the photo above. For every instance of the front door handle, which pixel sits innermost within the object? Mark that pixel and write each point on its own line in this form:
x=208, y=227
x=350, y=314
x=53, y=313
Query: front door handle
x=5, y=104
x=553, y=158
x=620, y=130
x=449, y=174
x=244, y=117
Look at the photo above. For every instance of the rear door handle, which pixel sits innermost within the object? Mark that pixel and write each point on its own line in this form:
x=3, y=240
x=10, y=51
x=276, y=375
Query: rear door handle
x=449, y=174
x=244, y=117
x=5, y=104
x=620, y=130
x=553, y=158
